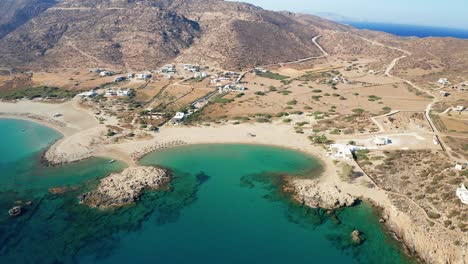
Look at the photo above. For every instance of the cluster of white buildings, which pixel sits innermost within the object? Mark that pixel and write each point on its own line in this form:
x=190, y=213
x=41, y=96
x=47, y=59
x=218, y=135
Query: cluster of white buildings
x=339, y=79
x=231, y=88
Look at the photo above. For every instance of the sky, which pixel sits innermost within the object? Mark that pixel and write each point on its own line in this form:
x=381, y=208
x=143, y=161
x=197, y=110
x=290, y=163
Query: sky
x=441, y=13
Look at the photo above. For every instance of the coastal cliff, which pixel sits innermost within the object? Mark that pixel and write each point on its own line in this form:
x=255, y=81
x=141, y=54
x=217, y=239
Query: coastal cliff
x=125, y=188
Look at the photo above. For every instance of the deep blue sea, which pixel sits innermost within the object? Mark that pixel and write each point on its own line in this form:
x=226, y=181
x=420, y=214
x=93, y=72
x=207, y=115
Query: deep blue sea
x=411, y=30
x=224, y=205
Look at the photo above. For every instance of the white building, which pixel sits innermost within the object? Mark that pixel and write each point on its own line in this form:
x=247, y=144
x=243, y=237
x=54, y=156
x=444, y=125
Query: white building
x=124, y=92
x=168, y=69
x=219, y=79
x=200, y=75
x=105, y=73
x=462, y=193
x=340, y=151
x=179, y=117
x=143, y=76
x=458, y=167
x=111, y=92
x=91, y=93
x=459, y=108
x=191, y=68
x=443, y=81
x=231, y=88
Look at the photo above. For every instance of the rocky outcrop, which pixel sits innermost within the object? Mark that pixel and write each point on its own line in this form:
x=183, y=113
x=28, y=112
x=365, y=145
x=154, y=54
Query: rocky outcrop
x=125, y=188
x=357, y=237
x=317, y=195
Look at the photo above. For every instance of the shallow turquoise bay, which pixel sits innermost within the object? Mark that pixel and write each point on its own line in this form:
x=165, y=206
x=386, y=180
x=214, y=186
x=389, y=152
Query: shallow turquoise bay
x=224, y=205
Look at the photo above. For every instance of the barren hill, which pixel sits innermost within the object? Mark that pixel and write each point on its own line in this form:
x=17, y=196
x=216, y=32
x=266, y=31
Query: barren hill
x=143, y=34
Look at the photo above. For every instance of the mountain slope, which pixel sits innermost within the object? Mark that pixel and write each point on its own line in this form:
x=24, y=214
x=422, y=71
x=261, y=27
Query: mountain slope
x=14, y=13
x=139, y=34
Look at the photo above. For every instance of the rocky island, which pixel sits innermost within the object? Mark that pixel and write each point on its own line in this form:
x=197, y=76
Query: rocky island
x=125, y=188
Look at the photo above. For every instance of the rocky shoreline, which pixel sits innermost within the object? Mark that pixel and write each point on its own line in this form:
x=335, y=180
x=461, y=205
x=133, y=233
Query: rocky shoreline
x=427, y=243
x=430, y=243
x=124, y=188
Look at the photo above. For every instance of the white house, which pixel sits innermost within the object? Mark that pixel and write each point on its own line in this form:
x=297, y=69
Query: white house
x=105, y=73
x=458, y=167
x=143, y=76
x=459, y=108
x=168, y=69
x=462, y=193
x=443, y=81
x=200, y=75
x=110, y=92
x=124, y=92
x=231, y=88
x=340, y=151
x=91, y=93
x=179, y=117
x=191, y=68
x=219, y=79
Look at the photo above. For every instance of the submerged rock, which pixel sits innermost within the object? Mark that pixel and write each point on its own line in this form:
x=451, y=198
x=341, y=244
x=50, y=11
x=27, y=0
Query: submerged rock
x=58, y=190
x=15, y=211
x=124, y=188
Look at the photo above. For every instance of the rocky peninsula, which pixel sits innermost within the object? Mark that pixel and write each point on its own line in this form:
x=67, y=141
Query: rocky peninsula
x=124, y=188
x=318, y=194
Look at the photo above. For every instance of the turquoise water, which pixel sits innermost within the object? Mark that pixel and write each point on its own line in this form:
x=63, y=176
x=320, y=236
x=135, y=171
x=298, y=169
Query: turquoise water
x=225, y=205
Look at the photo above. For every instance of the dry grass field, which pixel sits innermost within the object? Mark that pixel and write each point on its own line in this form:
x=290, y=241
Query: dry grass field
x=426, y=177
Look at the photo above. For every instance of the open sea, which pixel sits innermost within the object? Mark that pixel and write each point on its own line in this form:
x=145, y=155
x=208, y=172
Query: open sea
x=411, y=30
x=224, y=205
